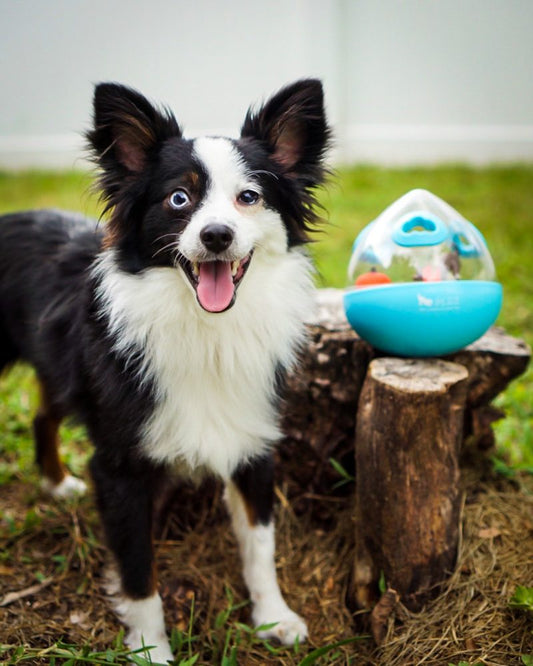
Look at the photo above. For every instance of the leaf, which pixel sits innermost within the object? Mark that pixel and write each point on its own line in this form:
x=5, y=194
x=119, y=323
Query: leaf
x=136, y=659
x=265, y=627
x=340, y=470
x=382, y=583
x=321, y=651
x=189, y=662
x=527, y=659
x=502, y=468
x=522, y=598
x=222, y=618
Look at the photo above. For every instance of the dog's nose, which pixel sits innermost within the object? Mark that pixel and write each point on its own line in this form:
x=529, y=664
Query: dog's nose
x=216, y=237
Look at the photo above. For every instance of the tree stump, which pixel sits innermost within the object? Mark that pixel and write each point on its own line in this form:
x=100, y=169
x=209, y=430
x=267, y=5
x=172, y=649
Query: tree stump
x=320, y=407
x=408, y=437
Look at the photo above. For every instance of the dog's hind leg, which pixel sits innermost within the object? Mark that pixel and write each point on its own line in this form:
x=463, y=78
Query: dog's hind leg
x=55, y=478
x=249, y=497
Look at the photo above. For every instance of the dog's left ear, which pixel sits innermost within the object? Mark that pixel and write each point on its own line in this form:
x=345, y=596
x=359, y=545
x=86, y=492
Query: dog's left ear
x=292, y=125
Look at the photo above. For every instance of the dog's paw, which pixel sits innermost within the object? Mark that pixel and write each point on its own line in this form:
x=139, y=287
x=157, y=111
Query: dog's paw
x=160, y=653
x=287, y=626
x=71, y=486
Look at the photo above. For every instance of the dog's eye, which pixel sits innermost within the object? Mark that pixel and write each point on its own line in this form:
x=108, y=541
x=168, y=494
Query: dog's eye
x=248, y=197
x=179, y=199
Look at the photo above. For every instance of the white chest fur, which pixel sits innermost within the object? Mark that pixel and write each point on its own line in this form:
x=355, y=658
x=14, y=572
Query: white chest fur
x=214, y=374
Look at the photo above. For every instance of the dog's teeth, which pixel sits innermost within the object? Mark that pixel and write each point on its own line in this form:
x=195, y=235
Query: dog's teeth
x=195, y=268
x=235, y=267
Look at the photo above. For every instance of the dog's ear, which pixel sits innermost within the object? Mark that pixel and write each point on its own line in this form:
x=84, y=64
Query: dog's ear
x=127, y=129
x=292, y=125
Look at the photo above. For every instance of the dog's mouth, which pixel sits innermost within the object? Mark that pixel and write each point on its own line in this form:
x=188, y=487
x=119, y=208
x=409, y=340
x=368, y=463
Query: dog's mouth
x=216, y=282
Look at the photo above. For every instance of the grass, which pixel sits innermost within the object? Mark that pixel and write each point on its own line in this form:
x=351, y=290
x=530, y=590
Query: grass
x=499, y=200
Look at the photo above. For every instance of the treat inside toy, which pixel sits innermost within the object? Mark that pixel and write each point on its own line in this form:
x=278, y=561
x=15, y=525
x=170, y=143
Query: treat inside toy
x=371, y=279
x=422, y=279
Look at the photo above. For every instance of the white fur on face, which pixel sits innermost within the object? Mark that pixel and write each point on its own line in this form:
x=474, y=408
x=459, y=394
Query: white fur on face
x=257, y=549
x=228, y=176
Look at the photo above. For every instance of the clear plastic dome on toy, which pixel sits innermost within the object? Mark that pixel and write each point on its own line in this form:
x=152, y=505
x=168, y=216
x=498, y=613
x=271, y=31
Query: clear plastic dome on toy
x=423, y=279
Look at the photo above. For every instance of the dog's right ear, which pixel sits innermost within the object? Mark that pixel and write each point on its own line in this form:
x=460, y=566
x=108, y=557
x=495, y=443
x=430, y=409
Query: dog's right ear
x=127, y=130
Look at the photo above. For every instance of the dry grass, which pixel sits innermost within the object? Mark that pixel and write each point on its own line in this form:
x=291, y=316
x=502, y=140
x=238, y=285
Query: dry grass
x=58, y=548
x=471, y=620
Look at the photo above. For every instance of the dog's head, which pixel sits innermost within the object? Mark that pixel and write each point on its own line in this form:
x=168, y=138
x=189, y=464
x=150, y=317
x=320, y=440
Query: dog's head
x=207, y=205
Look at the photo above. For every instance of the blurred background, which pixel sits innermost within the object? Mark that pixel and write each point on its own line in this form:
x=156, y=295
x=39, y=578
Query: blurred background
x=407, y=81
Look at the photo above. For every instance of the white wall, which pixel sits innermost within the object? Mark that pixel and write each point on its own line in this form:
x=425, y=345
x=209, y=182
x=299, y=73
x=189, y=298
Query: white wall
x=406, y=80
x=439, y=79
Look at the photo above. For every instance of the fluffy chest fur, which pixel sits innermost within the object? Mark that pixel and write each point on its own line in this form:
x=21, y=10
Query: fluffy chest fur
x=214, y=375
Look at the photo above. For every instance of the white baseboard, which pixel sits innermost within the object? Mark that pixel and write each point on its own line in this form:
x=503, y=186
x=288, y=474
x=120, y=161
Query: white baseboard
x=374, y=144
x=54, y=151
x=432, y=144
x=43, y=151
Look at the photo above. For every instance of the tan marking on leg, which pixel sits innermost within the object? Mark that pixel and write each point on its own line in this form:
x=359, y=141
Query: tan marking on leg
x=45, y=429
x=251, y=513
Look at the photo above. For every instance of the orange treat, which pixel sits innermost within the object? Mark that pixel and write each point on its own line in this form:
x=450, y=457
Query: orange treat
x=372, y=279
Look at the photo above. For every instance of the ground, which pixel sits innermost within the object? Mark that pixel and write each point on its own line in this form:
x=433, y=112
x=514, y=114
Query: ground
x=53, y=581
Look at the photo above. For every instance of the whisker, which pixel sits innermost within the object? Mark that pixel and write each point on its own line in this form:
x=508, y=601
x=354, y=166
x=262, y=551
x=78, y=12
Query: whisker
x=156, y=240
x=165, y=247
x=266, y=173
x=179, y=259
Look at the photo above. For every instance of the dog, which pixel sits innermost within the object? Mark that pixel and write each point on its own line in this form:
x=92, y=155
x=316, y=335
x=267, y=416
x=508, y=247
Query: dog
x=169, y=330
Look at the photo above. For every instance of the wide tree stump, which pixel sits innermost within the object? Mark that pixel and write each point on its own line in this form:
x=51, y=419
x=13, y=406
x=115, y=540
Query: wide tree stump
x=408, y=436
x=319, y=412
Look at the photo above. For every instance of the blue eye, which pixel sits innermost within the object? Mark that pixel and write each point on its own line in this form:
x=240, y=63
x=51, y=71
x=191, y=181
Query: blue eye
x=248, y=197
x=179, y=199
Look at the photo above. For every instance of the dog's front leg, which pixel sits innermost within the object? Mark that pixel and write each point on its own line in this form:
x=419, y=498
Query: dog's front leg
x=249, y=496
x=125, y=501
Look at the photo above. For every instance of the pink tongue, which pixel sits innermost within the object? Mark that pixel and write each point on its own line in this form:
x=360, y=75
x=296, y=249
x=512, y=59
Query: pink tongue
x=215, y=285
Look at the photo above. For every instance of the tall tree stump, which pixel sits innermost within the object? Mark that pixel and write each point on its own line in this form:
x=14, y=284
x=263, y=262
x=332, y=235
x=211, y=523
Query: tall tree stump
x=409, y=430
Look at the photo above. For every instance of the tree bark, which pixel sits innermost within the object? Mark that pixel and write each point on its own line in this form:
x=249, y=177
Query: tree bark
x=408, y=437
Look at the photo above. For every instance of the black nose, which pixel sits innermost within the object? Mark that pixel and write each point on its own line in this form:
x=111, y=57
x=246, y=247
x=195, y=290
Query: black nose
x=216, y=237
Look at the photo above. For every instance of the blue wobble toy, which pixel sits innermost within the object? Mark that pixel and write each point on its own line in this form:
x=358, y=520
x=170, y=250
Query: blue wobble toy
x=423, y=279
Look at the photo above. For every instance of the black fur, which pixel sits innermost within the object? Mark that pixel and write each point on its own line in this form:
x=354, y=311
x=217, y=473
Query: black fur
x=255, y=480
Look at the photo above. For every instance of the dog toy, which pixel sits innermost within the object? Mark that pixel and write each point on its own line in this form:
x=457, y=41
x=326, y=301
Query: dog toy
x=429, y=280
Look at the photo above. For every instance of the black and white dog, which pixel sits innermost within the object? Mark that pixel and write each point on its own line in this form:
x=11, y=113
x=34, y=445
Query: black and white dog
x=168, y=333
